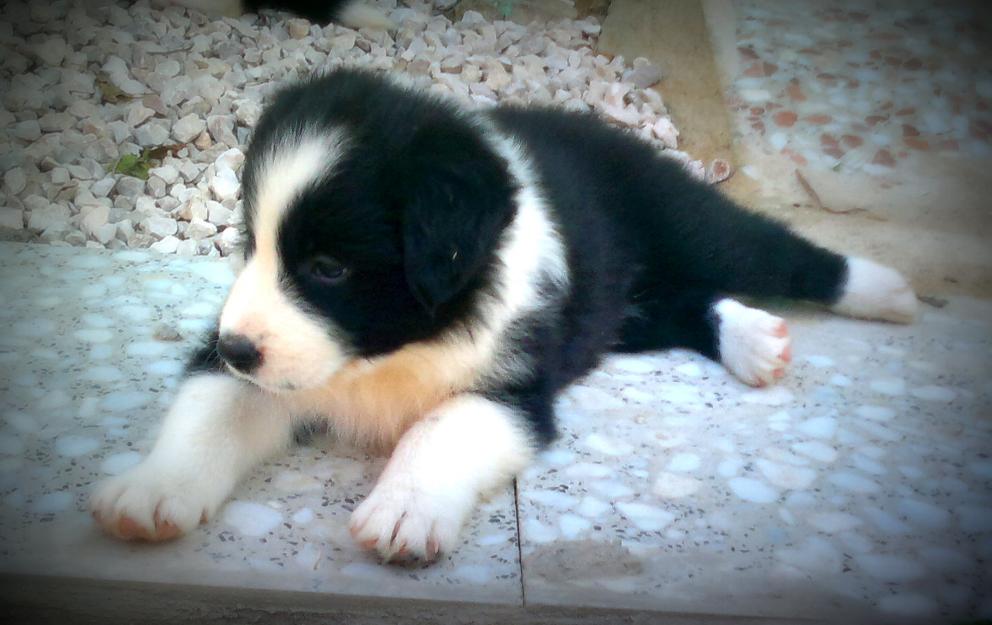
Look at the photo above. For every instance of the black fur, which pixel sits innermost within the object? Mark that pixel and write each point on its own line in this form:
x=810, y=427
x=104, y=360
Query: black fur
x=639, y=225
x=650, y=251
x=206, y=359
x=402, y=210
x=317, y=11
x=419, y=202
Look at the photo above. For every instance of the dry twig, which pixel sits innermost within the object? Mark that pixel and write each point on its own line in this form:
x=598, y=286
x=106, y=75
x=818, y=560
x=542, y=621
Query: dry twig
x=819, y=203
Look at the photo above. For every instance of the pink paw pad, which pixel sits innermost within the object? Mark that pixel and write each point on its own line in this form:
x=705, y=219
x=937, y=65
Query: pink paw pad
x=754, y=344
x=126, y=528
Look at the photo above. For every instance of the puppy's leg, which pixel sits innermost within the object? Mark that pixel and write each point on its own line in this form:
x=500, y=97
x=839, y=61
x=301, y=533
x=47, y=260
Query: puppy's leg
x=464, y=448
x=751, y=343
x=217, y=429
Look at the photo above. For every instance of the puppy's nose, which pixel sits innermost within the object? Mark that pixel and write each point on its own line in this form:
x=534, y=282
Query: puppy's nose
x=239, y=352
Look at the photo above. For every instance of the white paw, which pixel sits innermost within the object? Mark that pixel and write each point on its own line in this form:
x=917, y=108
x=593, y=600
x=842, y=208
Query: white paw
x=152, y=503
x=754, y=345
x=874, y=291
x=400, y=521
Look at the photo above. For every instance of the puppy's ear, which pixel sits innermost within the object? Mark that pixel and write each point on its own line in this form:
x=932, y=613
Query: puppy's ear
x=456, y=198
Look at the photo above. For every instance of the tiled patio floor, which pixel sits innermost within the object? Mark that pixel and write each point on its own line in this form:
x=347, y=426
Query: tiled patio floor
x=853, y=87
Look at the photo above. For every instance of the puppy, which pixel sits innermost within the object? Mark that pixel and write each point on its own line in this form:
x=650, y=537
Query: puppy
x=350, y=13
x=428, y=279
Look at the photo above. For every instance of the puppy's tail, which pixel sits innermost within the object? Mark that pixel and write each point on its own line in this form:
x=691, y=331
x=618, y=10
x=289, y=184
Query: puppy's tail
x=850, y=285
x=749, y=254
x=356, y=14
x=874, y=291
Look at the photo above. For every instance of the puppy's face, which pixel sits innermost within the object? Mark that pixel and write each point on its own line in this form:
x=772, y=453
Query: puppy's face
x=361, y=238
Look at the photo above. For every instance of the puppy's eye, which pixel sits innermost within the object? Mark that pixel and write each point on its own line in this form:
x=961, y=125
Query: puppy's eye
x=326, y=270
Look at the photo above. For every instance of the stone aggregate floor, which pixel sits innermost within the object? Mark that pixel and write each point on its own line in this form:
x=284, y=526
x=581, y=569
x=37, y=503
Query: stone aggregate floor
x=858, y=486
x=84, y=384
x=846, y=86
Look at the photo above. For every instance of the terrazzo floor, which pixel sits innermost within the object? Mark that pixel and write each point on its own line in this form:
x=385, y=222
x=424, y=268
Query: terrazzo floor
x=88, y=364
x=858, y=488
x=857, y=87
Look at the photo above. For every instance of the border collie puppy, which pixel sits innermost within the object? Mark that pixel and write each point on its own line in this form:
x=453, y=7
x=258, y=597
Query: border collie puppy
x=427, y=279
x=350, y=13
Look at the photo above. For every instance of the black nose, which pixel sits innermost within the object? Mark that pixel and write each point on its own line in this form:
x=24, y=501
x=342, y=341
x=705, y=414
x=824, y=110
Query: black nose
x=239, y=352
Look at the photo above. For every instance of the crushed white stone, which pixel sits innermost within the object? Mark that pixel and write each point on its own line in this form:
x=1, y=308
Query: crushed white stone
x=152, y=134
x=12, y=218
x=167, y=173
x=94, y=219
x=52, y=217
x=188, y=128
x=160, y=227
x=27, y=130
x=168, y=245
x=86, y=83
x=14, y=180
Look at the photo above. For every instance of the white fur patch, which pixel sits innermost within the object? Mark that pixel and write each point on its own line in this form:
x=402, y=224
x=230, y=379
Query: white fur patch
x=874, y=291
x=533, y=248
x=531, y=254
x=287, y=169
x=226, y=8
x=299, y=350
x=465, y=448
x=753, y=344
x=217, y=429
x=357, y=15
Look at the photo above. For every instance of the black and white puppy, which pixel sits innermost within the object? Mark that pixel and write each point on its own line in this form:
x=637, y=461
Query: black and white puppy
x=350, y=13
x=427, y=280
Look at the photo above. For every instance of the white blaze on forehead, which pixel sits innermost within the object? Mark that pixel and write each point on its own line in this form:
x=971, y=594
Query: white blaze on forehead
x=300, y=349
x=286, y=171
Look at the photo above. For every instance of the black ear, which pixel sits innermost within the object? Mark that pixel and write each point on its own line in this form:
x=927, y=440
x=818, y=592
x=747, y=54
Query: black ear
x=456, y=199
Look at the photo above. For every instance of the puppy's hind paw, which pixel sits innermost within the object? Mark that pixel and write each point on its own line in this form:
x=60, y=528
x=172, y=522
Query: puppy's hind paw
x=753, y=345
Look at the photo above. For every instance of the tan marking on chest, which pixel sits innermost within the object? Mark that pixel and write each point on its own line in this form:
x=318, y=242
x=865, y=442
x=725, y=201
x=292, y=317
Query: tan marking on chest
x=373, y=402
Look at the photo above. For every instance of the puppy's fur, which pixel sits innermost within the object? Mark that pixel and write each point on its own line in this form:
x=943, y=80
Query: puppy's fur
x=428, y=279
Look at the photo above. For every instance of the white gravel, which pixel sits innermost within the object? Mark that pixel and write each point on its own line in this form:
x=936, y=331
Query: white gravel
x=82, y=85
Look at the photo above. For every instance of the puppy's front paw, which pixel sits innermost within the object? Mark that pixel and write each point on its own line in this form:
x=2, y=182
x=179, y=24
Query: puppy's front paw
x=151, y=503
x=400, y=521
x=754, y=345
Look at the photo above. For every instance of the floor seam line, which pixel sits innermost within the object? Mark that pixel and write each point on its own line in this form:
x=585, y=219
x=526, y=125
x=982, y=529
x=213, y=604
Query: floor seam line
x=520, y=552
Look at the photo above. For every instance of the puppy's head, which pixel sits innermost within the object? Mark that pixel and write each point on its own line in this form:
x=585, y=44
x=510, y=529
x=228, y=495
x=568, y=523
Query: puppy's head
x=372, y=218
